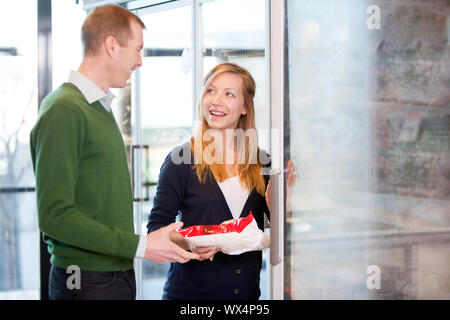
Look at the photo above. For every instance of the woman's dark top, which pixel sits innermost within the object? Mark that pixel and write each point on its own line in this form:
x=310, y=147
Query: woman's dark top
x=180, y=192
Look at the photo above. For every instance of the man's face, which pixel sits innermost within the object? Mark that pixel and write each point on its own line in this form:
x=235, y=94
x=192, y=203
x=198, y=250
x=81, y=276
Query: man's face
x=129, y=57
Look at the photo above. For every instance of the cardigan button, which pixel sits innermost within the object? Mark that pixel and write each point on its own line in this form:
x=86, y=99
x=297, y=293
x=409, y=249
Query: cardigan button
x=236, y=291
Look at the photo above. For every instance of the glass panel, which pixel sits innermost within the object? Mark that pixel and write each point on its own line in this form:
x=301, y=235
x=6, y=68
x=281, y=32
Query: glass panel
x=166, y=109
x=19, y=236
x=239, y=35
x=368, y=124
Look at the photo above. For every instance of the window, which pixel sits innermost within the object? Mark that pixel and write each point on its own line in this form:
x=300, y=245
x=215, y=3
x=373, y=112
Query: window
x=67, y=19
x=19, y=245
x=166, y=105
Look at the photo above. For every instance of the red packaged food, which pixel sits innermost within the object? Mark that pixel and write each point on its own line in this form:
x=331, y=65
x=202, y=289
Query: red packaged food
x=231, y=237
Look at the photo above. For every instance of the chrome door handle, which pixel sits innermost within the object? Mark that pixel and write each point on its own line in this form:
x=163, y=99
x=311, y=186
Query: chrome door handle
x=276, y=216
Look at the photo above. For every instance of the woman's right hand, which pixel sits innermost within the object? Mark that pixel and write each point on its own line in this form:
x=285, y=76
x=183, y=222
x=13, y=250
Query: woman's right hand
x=290, y=181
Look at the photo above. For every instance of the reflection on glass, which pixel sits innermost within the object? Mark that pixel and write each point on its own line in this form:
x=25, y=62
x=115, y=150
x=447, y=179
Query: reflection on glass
x=19, y=245
x=235, y=31
x=369, y=131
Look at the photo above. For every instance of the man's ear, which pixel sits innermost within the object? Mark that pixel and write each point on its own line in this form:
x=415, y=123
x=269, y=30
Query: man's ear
x=110, y=45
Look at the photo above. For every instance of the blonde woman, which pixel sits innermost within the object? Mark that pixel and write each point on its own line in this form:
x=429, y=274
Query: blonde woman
x=216, y=176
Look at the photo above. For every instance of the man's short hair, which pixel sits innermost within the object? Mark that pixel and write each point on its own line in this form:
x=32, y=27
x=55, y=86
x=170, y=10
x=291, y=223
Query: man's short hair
x=110, y=20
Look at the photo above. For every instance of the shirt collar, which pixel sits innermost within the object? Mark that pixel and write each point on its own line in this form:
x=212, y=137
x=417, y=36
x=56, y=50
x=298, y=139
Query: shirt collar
x=90, y=90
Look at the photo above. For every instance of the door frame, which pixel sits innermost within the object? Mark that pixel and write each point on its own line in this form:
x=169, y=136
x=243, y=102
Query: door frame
x=276, y=53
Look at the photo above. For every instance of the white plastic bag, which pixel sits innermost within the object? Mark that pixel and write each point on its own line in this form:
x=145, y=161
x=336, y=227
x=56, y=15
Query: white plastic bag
x=236, y=237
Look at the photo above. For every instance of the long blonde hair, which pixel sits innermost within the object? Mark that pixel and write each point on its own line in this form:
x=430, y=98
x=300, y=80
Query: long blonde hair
x=249, y=166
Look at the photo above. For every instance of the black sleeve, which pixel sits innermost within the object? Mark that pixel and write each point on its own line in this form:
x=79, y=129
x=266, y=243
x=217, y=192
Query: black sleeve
x=169, y=194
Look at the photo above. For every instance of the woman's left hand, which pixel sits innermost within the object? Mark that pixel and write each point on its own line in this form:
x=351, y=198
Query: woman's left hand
x=290, y=181
x=205, y=253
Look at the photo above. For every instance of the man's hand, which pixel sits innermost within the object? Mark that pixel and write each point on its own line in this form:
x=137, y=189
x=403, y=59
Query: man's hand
x=160, y=249
x=203, y=252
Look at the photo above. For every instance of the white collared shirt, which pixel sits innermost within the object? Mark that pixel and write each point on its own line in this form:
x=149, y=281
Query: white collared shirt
x=90, y=90
x=93, y=93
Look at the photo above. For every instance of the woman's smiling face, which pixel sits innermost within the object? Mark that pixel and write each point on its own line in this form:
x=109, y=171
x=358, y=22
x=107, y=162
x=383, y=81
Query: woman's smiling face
x=223, y=101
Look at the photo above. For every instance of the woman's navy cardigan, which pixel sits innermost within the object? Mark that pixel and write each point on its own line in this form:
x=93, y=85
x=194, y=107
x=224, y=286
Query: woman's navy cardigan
x=180, y=192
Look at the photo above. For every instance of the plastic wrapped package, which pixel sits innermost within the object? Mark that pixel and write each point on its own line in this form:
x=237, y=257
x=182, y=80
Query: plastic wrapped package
x=231, y=237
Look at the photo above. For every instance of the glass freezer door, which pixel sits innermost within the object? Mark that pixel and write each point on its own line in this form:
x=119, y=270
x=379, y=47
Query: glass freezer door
x=365, y=98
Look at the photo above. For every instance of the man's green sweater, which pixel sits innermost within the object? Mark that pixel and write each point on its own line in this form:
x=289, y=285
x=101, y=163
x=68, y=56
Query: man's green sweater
x=83, y=185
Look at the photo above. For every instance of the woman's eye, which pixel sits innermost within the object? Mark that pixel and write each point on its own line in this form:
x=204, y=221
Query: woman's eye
x=230, y=94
